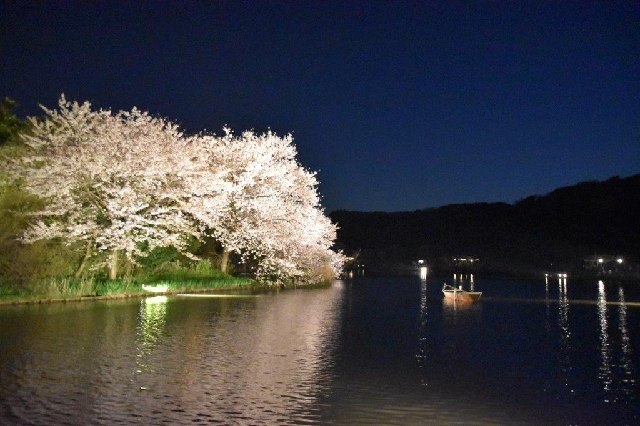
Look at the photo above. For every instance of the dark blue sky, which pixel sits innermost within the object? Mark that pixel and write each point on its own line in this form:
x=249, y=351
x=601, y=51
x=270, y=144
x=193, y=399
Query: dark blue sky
x=398, y=105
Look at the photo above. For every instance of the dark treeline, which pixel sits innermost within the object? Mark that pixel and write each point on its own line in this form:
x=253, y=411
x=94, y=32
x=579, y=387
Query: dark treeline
x=553, y=232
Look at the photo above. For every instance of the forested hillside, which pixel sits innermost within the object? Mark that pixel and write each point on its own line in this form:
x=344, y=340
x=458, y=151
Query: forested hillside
x=556, y=230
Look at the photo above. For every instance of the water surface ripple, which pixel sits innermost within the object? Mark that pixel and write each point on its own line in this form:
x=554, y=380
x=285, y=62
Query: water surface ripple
x=364, y=351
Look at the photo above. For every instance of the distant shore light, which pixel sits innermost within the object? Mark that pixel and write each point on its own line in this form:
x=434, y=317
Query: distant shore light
x=423, y=273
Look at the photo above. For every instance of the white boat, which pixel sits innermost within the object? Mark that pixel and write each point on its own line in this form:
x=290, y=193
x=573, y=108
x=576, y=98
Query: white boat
x=155, y=288
x=459, y=295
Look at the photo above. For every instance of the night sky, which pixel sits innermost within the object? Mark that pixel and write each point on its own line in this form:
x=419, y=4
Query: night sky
x=398, y=105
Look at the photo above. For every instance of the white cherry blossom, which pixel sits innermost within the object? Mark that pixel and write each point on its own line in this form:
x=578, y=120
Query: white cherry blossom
x=126, y=180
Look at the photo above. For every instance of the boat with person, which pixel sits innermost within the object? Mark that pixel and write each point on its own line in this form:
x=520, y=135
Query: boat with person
x=454, y=294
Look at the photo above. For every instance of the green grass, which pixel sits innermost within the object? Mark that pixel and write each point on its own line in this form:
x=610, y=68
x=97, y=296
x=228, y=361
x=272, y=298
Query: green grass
x=198, y=277
x=11, y=294
x=57, y=288
x=201, y=271
x=182, y=285
x=195, y=277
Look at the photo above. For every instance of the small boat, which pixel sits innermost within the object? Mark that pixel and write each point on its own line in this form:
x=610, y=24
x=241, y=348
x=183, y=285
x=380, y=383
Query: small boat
x=459, y=295
x=155, y=288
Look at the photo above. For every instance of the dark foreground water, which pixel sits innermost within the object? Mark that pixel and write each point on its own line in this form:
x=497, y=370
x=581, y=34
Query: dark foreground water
x=365, y=351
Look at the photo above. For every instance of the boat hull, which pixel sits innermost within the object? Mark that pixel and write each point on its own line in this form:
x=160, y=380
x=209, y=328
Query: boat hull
x=462, y=296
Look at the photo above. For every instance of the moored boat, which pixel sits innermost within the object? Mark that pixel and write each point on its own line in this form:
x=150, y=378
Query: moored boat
x=459, y=295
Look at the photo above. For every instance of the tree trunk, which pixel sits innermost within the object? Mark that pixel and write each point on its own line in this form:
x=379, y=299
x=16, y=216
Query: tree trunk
x=128, y=267
x=224, y=260
x=113, y=266
x=85, y=259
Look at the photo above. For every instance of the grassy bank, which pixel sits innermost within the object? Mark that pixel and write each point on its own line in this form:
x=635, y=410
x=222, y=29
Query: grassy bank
x=65, y=289
x=195, y=278
x=175, y=278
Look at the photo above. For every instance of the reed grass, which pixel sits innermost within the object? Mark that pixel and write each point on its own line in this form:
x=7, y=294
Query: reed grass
x=62, y=288
x=200, y=276
x=203, y=284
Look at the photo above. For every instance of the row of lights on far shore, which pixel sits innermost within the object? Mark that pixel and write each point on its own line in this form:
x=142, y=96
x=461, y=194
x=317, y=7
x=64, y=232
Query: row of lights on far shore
x=560, y=275
x=619, y=260
x=600, y=261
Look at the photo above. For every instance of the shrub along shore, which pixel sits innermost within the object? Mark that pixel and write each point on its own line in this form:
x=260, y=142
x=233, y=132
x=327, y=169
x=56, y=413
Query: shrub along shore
x=68, y=289
x=172, y=279
x=134, y=291
x=198, y=277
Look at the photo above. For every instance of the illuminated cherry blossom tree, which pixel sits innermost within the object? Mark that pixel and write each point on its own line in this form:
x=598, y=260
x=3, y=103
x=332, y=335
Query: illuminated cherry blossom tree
x=106, y=178
x=268, y=207
x=123, y=181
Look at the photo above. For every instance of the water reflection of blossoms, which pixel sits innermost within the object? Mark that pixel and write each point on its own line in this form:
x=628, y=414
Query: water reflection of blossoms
x=270, y=358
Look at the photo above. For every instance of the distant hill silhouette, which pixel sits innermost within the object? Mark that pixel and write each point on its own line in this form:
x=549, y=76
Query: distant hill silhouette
x=549, y=232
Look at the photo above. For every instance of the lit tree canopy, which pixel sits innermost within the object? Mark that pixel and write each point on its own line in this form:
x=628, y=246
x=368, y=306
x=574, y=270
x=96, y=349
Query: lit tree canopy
x=107, y=178
x=269, y=205
x=126, y=180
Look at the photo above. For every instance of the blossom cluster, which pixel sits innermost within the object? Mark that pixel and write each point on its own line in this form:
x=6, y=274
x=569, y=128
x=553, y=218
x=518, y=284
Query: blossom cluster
x=126, y=181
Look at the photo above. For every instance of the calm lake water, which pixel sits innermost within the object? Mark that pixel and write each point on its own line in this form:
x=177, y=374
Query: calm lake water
x=385, y=351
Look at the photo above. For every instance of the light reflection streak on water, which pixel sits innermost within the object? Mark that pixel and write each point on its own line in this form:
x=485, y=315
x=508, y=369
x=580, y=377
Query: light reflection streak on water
x=565, y=332
x=628, y=381
x=605, y=350
x=423, y=273
x=422, y=329
x=461, y=279
x=547, y=303
x=546, y=286
x=153, y=312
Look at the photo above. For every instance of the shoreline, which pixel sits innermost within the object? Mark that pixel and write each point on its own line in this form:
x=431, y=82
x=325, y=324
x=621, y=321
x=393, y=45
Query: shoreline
x=244, y=288
x=119, y=296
